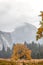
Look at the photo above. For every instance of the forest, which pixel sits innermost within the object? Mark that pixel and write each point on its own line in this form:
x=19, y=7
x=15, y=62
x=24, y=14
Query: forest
x=36, y=48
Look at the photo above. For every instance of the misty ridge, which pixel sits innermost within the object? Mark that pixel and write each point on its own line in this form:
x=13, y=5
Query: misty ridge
x=27, y=32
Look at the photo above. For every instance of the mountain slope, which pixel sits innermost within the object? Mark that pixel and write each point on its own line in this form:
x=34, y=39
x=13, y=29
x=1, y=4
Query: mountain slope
x=5, y=39
x=27, y=32
x=24, y=33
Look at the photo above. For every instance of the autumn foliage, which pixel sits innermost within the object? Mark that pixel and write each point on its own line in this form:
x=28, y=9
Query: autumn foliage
x=20, y=51
x=40, y=29
x=39, y=33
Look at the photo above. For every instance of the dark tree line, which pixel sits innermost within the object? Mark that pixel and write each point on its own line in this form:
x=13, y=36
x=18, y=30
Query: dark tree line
x=5, y=54
x=36, y=48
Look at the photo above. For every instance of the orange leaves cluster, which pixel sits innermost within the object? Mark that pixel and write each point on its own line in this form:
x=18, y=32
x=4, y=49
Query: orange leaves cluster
x=39, y=33
x=20, y=51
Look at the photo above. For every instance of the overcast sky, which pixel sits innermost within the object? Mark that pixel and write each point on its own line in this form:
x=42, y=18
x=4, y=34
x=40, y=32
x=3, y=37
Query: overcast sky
x=14, y=13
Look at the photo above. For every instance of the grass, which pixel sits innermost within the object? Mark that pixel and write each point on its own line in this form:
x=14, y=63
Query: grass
x=3, y=62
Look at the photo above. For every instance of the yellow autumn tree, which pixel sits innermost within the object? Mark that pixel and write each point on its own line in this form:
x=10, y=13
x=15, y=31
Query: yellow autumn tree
x=40, y=29
x=20, y=51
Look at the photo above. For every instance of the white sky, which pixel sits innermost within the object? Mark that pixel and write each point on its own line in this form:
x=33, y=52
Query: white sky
x=14, y=13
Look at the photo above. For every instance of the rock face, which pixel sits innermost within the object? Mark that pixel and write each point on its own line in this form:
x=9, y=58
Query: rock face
x=27, y=32
x=5, y=39
x=20, y=51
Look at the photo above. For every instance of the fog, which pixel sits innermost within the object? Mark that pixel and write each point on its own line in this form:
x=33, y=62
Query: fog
x=14, y=13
